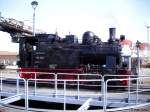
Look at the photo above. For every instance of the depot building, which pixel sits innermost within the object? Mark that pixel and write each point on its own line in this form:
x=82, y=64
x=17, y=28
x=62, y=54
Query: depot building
x=8, y=58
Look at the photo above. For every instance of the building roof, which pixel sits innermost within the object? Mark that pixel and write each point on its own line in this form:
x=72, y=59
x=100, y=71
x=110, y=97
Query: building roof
x=8, y=53
x=126, y=42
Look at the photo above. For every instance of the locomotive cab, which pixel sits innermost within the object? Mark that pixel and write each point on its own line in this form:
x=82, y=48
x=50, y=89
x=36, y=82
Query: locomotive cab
x=27, y=48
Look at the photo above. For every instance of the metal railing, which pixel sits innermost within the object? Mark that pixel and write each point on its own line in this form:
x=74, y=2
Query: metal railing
x=62, y=92
x=132, y=92
x=78, y=81
x=130, y=96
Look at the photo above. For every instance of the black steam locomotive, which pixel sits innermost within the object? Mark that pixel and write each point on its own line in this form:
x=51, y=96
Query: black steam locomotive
x=51, y=53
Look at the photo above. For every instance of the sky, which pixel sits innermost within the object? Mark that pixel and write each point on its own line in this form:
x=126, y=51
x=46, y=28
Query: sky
x=129, y=17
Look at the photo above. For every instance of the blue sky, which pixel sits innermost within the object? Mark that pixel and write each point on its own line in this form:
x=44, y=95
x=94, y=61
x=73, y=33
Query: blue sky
x=77, y=16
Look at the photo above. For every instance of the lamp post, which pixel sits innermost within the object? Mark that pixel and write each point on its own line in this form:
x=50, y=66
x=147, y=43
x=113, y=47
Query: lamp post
x=0, y=15
x=34, y=5
x=147, y=40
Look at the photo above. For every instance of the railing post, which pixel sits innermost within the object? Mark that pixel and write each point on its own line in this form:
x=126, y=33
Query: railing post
x=104, y=95
x=17, y=84
x=26, y=95
x=1, y=82
x=78, y=87
x=35, y=83
x=64, y=95
x=102, y=85
x=1, y=85
x=129, y=84
x=55, y=75
x=137, y=90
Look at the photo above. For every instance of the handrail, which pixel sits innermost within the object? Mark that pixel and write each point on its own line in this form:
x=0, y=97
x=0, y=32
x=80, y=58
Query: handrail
x=65, y=88
x=102, y=94
x=62, y=73
x=136, y=91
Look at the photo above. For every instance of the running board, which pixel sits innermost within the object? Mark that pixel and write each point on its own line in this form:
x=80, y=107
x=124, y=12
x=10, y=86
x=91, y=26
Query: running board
x=85, y=105
x=10, y=99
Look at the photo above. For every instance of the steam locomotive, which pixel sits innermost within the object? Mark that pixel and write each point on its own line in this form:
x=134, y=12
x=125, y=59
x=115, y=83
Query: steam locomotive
x=53, y=54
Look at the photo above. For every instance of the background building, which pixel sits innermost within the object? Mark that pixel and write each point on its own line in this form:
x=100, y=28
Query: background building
x=8, y=58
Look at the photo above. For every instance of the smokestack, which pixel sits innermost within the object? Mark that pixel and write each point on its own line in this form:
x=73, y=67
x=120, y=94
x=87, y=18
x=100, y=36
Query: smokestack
x=112, y=35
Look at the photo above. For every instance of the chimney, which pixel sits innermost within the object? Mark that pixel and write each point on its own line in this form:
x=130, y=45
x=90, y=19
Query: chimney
x=112, y=35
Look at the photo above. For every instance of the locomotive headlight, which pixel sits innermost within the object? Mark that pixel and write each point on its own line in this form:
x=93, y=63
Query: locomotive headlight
x=34, y=48
x=104, y=66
